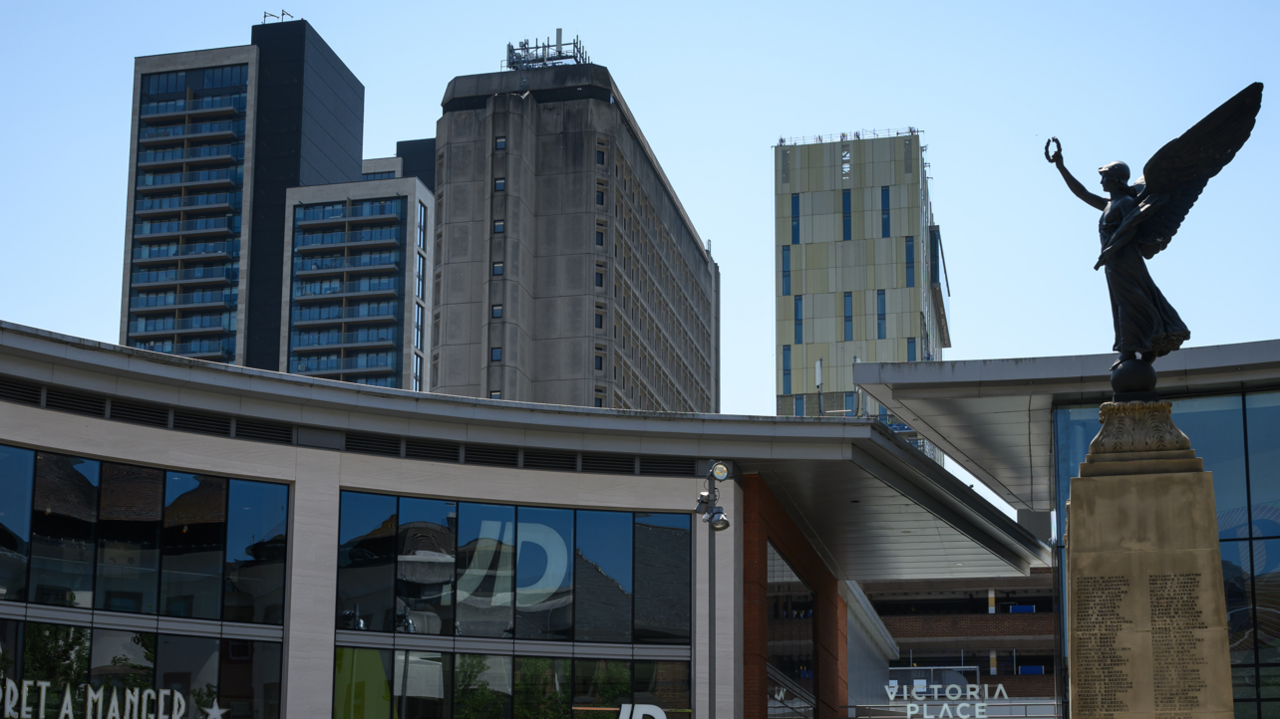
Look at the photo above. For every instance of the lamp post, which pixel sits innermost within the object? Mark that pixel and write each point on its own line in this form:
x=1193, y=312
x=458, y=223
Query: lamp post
x=713, y=515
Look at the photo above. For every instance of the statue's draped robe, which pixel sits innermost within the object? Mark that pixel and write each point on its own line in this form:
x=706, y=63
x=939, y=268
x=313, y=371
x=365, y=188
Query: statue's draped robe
x=1144, y=320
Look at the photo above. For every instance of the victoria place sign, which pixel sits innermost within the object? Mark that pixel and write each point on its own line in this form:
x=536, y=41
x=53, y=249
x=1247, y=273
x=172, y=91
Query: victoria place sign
x=26, y=700
x=973, y=706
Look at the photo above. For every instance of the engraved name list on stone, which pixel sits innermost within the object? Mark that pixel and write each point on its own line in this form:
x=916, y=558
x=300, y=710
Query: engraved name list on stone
x=1177, y=651
x=1099, y=657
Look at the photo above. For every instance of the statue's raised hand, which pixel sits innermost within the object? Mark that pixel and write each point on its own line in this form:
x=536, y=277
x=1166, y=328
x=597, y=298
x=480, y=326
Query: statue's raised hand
x=1056, y=157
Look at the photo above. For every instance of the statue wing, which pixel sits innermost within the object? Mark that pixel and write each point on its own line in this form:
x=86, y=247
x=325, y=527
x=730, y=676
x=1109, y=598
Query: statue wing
x=1173, y=179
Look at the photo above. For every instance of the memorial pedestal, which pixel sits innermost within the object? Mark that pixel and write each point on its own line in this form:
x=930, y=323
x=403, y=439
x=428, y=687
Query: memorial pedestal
x=1147, y=621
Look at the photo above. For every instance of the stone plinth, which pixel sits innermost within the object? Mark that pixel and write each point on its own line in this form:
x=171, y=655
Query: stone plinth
x=1146, y=613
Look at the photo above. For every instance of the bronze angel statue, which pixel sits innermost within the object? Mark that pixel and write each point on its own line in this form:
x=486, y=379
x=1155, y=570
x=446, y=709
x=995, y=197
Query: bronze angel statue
x=1139, y=220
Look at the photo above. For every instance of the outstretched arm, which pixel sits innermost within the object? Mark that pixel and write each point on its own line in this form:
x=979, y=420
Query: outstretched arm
x=1073, y=184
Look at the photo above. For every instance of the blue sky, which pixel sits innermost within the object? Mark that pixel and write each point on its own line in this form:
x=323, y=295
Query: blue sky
x=713, y=86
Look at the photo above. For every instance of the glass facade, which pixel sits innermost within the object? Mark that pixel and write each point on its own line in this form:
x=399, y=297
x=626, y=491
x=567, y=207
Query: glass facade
x=1238, y=437
x=101, y=535
x=791, y=662
x=429, y=566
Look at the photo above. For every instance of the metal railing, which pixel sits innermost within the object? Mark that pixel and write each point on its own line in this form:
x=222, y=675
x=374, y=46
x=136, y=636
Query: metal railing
x=319, y=289
x=152, y=252
x=171, y=226
x=234, y=151
x=177, y=203
x=372, y=234
x=308, y=264
x=236, y=102
x=232, y=174
x=195, y=273
x=196, y=128
x=324, y=339
x=847, y=136
x=172, y=299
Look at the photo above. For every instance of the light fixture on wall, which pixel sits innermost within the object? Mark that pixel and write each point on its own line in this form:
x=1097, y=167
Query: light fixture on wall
x=712, y=513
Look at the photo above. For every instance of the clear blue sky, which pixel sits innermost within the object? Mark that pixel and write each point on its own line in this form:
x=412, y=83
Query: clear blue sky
x=713, y=86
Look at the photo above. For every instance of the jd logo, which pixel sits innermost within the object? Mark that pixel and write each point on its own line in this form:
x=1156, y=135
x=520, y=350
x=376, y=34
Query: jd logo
x=780, y=694
x=641, y=711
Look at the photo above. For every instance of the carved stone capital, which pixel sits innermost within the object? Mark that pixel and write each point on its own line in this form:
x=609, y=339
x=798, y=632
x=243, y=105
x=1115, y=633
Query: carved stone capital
x=1137, y=427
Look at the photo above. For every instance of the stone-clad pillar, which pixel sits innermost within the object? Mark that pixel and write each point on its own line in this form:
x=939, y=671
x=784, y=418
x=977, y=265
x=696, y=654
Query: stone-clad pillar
x=1147, y=619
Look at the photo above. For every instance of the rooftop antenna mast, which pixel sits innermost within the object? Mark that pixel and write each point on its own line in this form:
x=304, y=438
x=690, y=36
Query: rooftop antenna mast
x=527, y=56
x=284, y=15
x=266, y=15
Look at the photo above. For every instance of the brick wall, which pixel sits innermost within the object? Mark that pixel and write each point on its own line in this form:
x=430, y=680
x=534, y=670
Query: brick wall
x=764, y=521
x=970, y=625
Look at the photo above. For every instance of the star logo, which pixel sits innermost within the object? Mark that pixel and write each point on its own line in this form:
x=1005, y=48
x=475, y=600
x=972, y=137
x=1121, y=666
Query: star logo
x=213, y=712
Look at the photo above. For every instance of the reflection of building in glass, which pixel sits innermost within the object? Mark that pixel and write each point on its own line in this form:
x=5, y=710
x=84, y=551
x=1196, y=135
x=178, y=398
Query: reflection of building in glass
x=792, y=662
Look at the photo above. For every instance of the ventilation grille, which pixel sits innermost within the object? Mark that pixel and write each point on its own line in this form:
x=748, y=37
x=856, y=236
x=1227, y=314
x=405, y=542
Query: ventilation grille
x=609, y=463
x=434, y=451
x=373, y=444
x=201, y=423
x=493, y=456
x=264, y=431
x=538, y=459
x=73, y=402
x=147, y=414
x=668, y=466
x=20, y=392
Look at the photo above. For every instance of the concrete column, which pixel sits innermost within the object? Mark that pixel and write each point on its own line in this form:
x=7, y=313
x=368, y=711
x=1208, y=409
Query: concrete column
x=727, y=608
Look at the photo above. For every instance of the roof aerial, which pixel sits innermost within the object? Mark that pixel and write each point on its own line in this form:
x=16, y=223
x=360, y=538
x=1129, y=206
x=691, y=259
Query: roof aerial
x=528, y=56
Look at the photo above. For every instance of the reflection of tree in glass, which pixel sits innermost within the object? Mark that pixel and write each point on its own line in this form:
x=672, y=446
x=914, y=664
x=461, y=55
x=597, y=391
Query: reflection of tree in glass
x=6, y=664
x=610, y=683
x=138, y=676
x=201, y=699
x=59, y=655
x=538, y=695
x=473, y=698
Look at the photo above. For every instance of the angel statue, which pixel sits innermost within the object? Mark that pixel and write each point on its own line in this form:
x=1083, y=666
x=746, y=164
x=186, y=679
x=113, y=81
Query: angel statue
x=1139, y=220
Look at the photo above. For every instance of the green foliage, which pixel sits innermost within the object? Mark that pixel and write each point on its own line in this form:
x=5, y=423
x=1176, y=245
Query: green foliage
x=60, y=655
x=140, y=675
x=536, y=695
x=473, y=699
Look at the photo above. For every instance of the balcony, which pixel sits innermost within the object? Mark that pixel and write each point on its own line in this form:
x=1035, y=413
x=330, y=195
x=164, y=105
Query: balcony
x=195, y=275
x=223, y=349
x=369, y=237
x=370, y=286
x=200, y=106
x=384, y=312
x=368, y=365
x=225, y=129
x=364, y=212
x=168, y=301
x=143, y=254
x=187, y=325
x=148, y=159
x=224, y=177
x=320, y=265
x=174, y=228
x=377, y=337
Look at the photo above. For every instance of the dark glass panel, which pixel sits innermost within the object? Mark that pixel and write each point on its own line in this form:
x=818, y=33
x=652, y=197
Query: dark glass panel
x=602, y=577
x=59, y=655
x=1216, y=428
x=600, y=683
x=64, y=513
x=123, y=660
x=361, y=683
x=257, y=543
x=366, y=561
x=482, y=687
x=542, y=688
x=1263, y=411
x=423, y=685
x=193, y=545
x=486, y=538
x=189, y=665
x=17, y=468
x=1269, y=682
x=789, y=617
x=664, y=579
x=662, y=684
x=1246, y=710
x=10, y=649
x=1073, y=429
x=1237, y=577
x=425, y=566
x=1266, y=592
x=249, y=679
x=129, y=512
x=544, y=574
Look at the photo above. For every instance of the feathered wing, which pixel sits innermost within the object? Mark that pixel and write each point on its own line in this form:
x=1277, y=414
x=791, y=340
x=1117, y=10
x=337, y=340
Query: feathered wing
x=1173, y=179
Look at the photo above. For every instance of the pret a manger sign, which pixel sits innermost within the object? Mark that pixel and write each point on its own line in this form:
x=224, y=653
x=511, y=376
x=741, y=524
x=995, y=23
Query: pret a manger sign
x=973, y=706
x=26, y=700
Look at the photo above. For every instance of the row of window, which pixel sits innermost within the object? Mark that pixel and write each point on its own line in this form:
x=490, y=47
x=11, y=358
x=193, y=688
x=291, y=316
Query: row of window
x=134, y=674
x=391, y=684
x=910, y=261
x=82, y=533
x=847, y=215
x=207, y=79
x=428, y=566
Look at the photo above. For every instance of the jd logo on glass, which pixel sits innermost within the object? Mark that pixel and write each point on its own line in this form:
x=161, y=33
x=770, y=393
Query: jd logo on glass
x=122, y=703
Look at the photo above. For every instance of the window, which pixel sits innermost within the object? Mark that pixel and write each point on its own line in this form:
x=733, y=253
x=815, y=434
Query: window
x=848, y=219
x=418, y=329
x=911, y=349
x=417, y=373
x=500, y=142
x=786, y=271
x=495, y=354
x=422, y=278
x=599, y=321
x=906, y=156
x=799, y=317
x=495, y=312
x=366, y=176
x=848, y=317
x=499, y=226
x=884, y=211
x=911, y=262
x=795, y=218
x=599, y=279
x=497, y=269
x=599, y=197
x=599, y=402
x=422, y=226
x=880, y=318
x=599, y=363
x=604, y=553
x=495, y=394
x=786, y=369
x=799, y=412
x=599, y=157
x=599, y=238
x=499, y=184
x=851, y=404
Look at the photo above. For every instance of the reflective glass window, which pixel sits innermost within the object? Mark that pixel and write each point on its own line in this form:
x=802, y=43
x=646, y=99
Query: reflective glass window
x=193, y=541
x=789, y=615
x=63, y=519
x=257, y=532
x=188, y=665
x=123, y=660
x=604, y=683
x=59, y=655
x=423, y=683
x=663, y=577
x=544, y=574
x=17, y=467
x=249, y=679
x=1216, y=428
x=486, y=540
x=662, y=684
x=425, y=566
x=602, y=577
x=1237, y=578
x=366, y=561
x=542, y=687
x=482, y=686
x=10, y=649
x=1264, y=461
x=1266, y=582
x=129, y=512
x=362, y=683
x=884, y=211
x=911, y=262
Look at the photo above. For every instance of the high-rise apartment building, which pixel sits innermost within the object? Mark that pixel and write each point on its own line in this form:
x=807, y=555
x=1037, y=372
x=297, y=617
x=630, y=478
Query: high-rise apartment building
x=567, y=270
x=217, y=138
x=860, y=271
